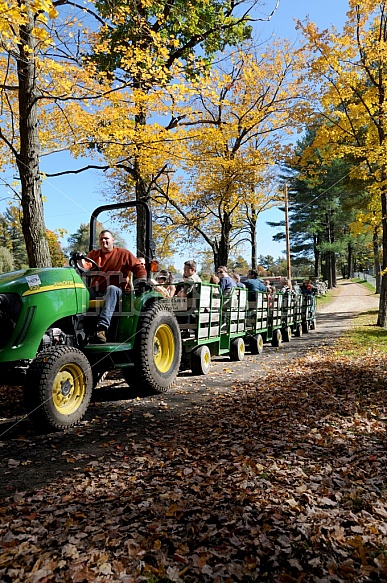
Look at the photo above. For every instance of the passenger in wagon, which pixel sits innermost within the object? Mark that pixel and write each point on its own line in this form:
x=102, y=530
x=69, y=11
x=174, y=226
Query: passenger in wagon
x=190, y=278
x=226, y=282
x=237, y=278
x=164, y=279
x=254, y=284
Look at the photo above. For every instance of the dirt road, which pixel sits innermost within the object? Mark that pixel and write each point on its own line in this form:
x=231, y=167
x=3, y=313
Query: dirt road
x=24, y=454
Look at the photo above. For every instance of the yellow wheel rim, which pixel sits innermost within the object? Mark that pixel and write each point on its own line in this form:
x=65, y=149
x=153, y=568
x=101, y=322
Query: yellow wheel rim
x=242, y=349
x=68, y=389
x=164, y=348
x=207, y=359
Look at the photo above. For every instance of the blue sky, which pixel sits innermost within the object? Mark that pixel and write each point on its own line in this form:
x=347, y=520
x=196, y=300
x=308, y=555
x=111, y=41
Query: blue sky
x=72, y=198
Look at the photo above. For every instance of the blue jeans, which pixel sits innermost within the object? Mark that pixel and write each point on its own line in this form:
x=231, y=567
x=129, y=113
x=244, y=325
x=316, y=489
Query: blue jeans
x=112, y=296
x=312, y=308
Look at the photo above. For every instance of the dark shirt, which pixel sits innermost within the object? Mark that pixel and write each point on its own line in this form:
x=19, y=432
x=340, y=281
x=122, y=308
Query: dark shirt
x=254, y=285
x=308, y=289
x=226, y=284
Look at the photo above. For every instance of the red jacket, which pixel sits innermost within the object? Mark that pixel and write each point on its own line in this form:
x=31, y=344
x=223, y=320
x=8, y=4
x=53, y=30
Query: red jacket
x=116, y=267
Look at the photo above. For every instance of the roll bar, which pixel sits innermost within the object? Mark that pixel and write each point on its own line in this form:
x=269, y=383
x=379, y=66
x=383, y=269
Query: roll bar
x=150, y=247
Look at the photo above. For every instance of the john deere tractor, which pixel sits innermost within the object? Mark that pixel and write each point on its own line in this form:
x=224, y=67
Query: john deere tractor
x=48, y=321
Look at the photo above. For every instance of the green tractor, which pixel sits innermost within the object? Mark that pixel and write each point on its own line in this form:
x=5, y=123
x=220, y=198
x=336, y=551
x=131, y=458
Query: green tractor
x=48, y=324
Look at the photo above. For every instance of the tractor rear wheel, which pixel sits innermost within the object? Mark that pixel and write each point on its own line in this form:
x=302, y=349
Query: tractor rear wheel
x=58, y=388
x=157, y=352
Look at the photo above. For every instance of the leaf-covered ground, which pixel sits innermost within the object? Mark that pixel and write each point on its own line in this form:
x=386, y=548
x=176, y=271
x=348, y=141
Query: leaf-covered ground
x=280, y=479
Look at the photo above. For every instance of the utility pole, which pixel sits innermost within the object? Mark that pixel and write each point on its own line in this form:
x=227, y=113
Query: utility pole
x=288, y=268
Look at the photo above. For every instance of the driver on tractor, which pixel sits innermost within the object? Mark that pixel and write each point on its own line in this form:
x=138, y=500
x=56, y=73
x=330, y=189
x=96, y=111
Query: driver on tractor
x=114, y=267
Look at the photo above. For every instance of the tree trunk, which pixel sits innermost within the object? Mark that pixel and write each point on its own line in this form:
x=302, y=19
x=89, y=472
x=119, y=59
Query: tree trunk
x=141, y=187
x=317, y=256
x=222, y=250
x=382, y=316
x=142, y=195
x=27, y=159
x=328, y=268
x=253, y=237
x=350, y=261
x=333, y=268
x=375, y=246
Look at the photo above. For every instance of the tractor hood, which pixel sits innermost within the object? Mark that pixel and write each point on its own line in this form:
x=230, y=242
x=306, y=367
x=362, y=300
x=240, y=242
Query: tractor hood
x=34, y=300
x=39, y=280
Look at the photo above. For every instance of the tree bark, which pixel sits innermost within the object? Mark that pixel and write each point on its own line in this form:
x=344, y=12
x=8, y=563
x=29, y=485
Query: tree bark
x=141, y=188
x=223, y=249
x=27, y=158
x=382, y=316
x=375, y=245
x=349, y=261
x=253, y=237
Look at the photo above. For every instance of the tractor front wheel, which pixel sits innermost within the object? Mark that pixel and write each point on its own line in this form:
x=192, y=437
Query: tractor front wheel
x=58, y=388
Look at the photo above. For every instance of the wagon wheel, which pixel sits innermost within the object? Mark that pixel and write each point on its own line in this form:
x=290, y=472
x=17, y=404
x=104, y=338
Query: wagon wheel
x=276, y=341
x=201, y=360
x=237, y=349
x=256, y=344
x=287, y=334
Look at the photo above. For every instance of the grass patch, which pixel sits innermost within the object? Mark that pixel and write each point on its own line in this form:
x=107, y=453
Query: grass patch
x=366, y=284
x=364, y=336
x=329, y=296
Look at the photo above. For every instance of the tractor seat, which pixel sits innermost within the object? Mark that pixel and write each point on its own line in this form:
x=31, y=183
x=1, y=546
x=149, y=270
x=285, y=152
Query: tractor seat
x=93, y=304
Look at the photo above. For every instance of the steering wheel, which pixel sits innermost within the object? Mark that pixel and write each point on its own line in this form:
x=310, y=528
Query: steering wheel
x=78, y=260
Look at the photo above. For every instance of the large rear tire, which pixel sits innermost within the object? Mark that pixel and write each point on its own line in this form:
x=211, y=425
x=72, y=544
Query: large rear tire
x=256, y=344
x=201, y=360
x=305, y=327
x=298, y=331
x=58, y=388
x=156, y=353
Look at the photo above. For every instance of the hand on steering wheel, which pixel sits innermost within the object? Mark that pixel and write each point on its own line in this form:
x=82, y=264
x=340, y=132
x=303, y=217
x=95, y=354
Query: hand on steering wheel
x=81, y=263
